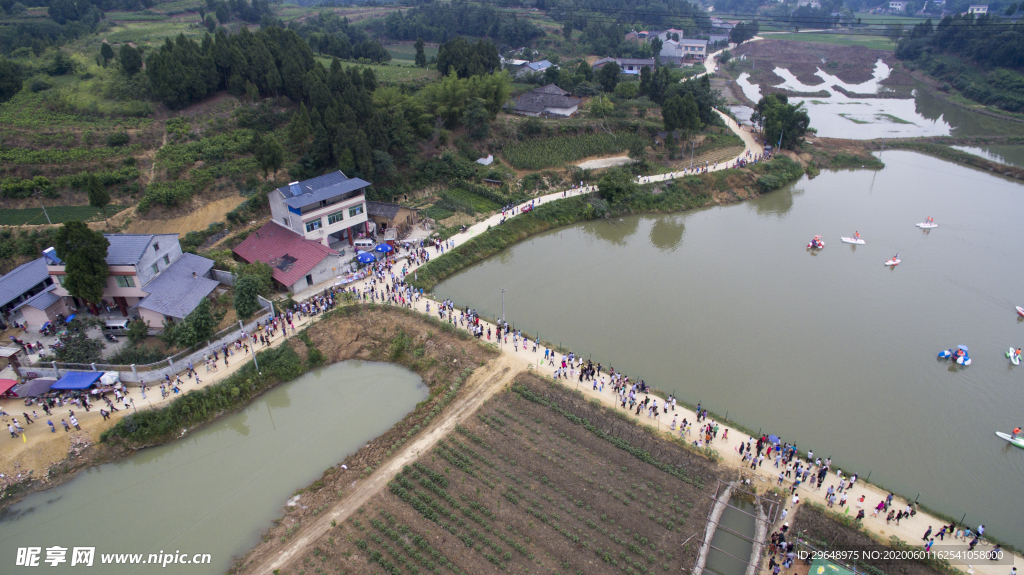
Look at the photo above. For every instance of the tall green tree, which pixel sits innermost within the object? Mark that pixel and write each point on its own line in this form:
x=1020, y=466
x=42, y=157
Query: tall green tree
x=680, y=113
x=84, y=253
x=783, y=124
x=300, y=127
x=106, y=52
x=197, y=326
x=99, y=197
x=10, y=79
x=609, y=76
x=247, y=291
x=616, y=184
x=270, y=156
x=477, y=119
x=421, y=56
x=131, y=59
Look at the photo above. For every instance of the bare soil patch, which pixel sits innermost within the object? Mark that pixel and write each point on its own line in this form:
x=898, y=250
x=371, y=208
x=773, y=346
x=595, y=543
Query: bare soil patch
x=851, y=64
x=194, y=221
x=521, y=488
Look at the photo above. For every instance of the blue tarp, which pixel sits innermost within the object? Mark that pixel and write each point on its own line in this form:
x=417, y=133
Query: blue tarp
x=77, y=380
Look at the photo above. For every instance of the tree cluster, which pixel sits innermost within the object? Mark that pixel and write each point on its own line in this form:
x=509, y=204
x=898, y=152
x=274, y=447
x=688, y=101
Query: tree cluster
x=782, y=123
x=638, y=14
x=467, y=59
x=335, y=36
x=440, y=22
x=744, y=31
x=272, y=60
x=982, y=57
x=228, y=10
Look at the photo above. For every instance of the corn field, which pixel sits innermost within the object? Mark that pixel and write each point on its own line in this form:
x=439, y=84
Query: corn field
x=557, y=151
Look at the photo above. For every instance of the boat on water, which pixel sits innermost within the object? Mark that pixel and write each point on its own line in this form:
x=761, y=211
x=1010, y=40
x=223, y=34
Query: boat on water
x=927, y=225
x=816, y=243
x=856, y=241
x=1017, y=441
x=1020, y=311
x=893, y=262
x=1014, y=356
x=958, y=355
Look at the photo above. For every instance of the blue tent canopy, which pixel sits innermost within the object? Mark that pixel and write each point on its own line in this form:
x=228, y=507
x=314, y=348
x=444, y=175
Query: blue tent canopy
x=78, y=380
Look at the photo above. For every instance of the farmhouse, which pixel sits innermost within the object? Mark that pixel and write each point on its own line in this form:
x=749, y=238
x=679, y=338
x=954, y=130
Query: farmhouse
x=627, y=65
x=296, y=262
x=547, y=100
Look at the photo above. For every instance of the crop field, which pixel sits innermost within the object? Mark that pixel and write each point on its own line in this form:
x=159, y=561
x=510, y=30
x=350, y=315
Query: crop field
x=560, y=150
x=58, y=215
x=393, y=73
x=538, y=482
x=852, y=39
x=408, y=51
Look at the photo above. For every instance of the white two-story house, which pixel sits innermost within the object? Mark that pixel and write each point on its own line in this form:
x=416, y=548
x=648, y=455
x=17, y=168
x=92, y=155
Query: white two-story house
x=330, y=209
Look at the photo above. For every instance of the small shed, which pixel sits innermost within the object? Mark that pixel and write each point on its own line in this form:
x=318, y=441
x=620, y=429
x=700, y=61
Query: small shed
x=387, y=216
x=6, y=385
x=43, y=307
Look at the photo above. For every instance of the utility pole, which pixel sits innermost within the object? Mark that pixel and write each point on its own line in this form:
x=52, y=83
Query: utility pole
x=44, y=208
x=692, y=145
x=502, y=305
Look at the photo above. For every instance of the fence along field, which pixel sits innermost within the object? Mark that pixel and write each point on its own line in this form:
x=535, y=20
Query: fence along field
x=525, y=488
x=557, y=151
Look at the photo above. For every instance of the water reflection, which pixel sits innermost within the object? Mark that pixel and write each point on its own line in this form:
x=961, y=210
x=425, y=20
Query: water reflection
x=777, y=203
x=667, y=233
x=217, y=489
x=1002, y=153
x=612, y=230
x=962, y=122
x=239, y=425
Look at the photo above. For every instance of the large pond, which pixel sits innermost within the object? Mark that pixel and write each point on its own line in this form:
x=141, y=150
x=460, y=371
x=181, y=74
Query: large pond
x=840, y=115
x=218, y=489
x=831, y=350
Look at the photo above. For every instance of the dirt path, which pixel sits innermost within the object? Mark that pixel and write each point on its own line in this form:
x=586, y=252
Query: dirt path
x=605, y=162
x=484, y=383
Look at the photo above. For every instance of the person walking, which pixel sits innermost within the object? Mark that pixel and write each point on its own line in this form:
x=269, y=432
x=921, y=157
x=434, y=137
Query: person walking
x=74, y=421
x=65, y=423
x=927, y=533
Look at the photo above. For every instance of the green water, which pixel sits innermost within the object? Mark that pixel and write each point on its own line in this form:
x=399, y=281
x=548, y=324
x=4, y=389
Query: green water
x=218, y=489
x=831, y=350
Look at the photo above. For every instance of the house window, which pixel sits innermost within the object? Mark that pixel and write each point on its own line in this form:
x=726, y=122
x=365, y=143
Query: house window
x=156, y=268
x=61, y=280
x=167, y=260
x=156, y=247
x=355, y=211
x=335, y=217
x=313, y=225
x=286, y=224
x=125, y=281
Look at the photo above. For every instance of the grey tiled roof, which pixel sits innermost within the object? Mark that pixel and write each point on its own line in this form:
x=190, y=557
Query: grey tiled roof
x=551, y=89
x=175, y=292
x=313, y=190
x=541, y=98
x=382, y=209
x=127, y=249
x=41, y=300
x=21, y=279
